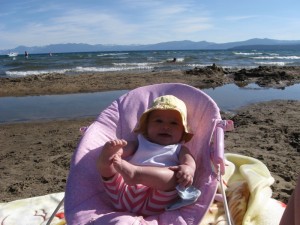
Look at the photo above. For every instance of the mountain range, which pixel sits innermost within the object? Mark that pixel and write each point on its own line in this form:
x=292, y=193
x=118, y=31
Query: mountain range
x=251, y=44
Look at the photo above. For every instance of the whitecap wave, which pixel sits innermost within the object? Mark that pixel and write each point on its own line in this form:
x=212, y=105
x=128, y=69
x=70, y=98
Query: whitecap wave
x=247, y=53
x=197, y=65
x=111, y=69
x=79, y=69
x=177, y=59
x=277, y=57
x=134, y=64
x=34, y=72
x=113, y=54
x=271, y=63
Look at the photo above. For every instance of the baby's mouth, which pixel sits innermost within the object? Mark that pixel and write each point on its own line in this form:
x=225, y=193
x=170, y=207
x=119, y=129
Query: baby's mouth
x=164, y=135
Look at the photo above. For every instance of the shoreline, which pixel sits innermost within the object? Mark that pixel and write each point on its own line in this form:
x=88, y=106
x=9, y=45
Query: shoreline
x=206, y=77
x=35, y=156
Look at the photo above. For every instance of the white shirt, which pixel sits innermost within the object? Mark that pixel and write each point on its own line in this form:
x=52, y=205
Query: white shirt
x=152, y=154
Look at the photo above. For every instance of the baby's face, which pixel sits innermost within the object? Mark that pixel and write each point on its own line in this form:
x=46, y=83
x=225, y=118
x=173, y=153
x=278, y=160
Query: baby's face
x=164, y=127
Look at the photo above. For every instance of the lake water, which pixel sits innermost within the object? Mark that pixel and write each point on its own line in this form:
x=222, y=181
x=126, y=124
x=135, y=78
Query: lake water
x=88, y=62
x=228, y=97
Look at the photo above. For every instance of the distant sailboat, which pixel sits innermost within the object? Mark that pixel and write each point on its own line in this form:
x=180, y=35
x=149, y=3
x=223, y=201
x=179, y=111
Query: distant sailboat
x=12, y=54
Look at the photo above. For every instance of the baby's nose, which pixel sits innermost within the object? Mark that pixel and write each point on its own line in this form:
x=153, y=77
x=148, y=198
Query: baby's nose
x=166, y=126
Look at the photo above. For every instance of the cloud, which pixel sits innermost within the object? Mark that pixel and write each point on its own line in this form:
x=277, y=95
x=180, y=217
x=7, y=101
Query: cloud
x=238, y=18
x=136, y=22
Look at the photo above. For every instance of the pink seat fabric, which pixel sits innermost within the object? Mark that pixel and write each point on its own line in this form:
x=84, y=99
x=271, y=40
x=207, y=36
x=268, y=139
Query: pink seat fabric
x=86, y=201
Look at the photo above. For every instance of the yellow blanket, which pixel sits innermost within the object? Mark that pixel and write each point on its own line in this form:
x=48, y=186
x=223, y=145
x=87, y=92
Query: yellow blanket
x=32, y=211
x=248, y=193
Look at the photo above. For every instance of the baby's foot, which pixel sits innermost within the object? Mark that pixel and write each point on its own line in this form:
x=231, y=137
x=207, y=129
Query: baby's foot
x=113, y=147
x=127, y=170
x=105, y=160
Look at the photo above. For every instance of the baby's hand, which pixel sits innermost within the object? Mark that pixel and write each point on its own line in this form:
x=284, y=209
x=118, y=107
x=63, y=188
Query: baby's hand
x=184, y=175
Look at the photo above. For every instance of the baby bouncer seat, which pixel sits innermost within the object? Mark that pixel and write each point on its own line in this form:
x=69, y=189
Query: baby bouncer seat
x=85, y=199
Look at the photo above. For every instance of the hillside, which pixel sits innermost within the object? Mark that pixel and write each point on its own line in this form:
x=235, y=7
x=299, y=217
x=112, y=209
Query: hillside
x=256, y=43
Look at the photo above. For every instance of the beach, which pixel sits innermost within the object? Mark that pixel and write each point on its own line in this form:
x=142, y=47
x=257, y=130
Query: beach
x=35, y=156
x=202, y=77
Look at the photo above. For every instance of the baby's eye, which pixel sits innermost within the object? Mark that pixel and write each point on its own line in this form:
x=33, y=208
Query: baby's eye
x=174, y=123
x=158, y=121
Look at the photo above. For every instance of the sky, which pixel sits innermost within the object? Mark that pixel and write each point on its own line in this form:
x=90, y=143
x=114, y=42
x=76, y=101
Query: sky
x=124, y=22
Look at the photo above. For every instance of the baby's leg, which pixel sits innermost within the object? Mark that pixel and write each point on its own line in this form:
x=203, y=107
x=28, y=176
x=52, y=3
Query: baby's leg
x=160, y=178
x=105, y=160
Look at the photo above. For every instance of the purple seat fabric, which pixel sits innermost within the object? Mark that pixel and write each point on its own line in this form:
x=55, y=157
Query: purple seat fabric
x=86, y=201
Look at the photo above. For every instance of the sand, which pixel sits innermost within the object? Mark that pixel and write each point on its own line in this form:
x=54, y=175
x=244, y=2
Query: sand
x=35, y=156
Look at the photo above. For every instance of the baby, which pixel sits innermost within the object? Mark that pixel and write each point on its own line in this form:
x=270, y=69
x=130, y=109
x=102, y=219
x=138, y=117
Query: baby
x=146, y=184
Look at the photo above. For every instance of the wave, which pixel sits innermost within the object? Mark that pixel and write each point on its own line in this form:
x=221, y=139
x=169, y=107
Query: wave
x=134, y=64
x=111, y=69
x=177, y=60
x=113, y=54
x=34, y=72
x=78, y=69
x=273, y=54
x=247, y=53
x=198, y=65
x=276, y=57
x=272, y=63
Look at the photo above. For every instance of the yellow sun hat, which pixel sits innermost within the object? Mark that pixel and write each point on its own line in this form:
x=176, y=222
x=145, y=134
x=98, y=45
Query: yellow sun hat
x=166, y=102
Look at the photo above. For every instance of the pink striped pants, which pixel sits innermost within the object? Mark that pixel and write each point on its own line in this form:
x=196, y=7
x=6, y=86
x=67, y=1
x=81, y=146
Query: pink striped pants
x=138, y=198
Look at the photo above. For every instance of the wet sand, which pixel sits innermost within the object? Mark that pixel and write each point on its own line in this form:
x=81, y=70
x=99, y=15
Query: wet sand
x=35, y=156
x=207, y=77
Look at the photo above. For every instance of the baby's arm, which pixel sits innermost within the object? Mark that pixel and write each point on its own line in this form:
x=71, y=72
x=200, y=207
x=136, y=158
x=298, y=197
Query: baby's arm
x=186, y=168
